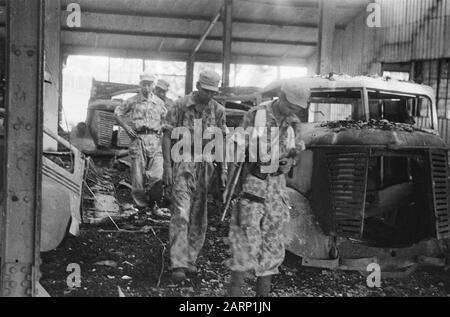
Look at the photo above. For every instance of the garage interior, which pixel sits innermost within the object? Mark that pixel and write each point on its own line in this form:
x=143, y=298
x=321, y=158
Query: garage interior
x=322, y=36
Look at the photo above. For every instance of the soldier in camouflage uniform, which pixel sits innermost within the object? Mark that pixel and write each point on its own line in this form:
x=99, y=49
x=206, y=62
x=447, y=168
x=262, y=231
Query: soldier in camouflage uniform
x=262, y=209
x=146, y=113
x=161, y=89
x=190, y=179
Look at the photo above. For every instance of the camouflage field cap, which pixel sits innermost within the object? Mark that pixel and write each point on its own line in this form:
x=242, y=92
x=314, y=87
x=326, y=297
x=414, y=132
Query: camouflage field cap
x=209, y=80
x=147, y=76
x=296, y=93
x=164, y=85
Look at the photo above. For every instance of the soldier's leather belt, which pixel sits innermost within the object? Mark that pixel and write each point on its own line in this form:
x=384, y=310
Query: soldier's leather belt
x=147, y=131
x=255, y=170
x=253, y=198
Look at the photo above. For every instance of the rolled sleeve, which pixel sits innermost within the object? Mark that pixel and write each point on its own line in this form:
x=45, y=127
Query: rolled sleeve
x=123, y=108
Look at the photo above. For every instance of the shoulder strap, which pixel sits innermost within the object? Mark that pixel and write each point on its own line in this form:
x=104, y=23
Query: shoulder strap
x=180, y=112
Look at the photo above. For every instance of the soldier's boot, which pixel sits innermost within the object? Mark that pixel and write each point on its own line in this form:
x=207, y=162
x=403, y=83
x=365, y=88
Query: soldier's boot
x=263, y=284
x=191, y=269
x=237, y=280
x=178, y=275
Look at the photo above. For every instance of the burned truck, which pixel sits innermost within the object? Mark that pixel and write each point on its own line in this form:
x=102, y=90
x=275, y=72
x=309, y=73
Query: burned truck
x=372, y=185
x=100, y=134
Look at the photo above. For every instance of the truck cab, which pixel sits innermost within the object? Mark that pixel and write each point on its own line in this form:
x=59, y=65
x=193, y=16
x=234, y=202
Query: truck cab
x=373, y=181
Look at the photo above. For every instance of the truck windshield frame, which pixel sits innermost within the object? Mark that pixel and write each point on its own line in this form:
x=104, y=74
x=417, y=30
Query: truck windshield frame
x=361, y=104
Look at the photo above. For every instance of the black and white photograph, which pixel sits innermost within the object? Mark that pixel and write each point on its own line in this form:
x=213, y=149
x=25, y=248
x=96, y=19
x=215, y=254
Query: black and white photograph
x=225, y=154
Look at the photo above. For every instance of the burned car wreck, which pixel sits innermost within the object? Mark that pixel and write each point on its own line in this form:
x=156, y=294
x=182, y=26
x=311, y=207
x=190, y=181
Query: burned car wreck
x=373, y=184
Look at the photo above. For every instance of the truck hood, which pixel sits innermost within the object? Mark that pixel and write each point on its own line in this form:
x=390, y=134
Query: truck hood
x=392, y=135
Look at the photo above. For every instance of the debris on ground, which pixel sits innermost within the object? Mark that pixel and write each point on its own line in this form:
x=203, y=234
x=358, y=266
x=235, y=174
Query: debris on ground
x=127, y=185
x=99, y=193
x=133, y=260
x=121, y=294
x=107, y=263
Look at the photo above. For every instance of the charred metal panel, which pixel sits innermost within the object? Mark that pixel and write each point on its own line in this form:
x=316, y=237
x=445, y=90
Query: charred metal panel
x=304, y=236
x=440, y=192
x=320, y=197
x=347, y=176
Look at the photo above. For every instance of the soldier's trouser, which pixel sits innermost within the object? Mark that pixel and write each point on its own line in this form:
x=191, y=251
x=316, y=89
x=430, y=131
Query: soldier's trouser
x=146, y=166
x=257, y=228
x=189, y=212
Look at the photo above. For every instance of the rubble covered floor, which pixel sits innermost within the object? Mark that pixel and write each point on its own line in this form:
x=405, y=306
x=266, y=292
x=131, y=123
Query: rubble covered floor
x=132, y=262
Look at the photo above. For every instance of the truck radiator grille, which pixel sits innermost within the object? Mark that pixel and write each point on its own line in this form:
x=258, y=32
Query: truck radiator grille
x=347, y=175
x=106, y=121
x=440, y=192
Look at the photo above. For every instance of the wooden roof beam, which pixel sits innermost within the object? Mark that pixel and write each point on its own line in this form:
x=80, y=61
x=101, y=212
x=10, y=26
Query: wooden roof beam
x=181, y=56
x=187, y=36
x=202, y=17
x=306, y=4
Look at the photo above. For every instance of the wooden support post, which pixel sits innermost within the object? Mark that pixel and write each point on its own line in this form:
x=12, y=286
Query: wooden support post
x=190, y=73
x=52, y=89
x=22, y=169
x=227, y=18
x=327, y=25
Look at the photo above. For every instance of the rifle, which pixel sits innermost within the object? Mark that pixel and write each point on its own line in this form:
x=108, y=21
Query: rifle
x=231, y=187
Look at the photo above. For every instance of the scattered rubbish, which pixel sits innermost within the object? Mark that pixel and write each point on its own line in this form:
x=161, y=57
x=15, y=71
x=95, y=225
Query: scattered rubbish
x=106, y=203
x=111, y=277
x=69, y=291
x=125, y=184
x=126, y=262
x=161, y=212
x=128, y=207
x=429, y=261
x=160, y=222
x=107, y=263
x=124, y=162
x=121, y=294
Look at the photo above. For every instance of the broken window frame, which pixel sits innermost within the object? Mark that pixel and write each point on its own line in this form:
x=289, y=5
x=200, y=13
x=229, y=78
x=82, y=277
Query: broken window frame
x=360, y=113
